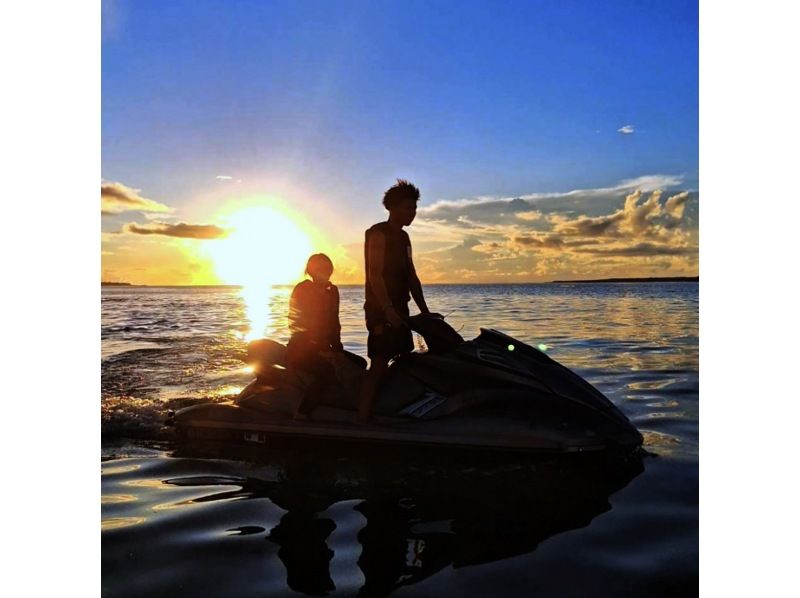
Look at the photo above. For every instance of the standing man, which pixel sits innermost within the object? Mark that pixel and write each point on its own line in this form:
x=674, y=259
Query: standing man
x=390, y=279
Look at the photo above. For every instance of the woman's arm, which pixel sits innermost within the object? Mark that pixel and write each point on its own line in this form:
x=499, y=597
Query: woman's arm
x=336, y=334
x=295, y=311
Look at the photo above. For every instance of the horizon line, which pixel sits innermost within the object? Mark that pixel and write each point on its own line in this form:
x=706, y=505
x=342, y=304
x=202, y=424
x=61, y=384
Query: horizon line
x=431, y=284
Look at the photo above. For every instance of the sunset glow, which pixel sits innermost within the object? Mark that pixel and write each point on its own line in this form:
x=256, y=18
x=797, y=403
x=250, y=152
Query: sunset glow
x=264, y=247
x=238, y=183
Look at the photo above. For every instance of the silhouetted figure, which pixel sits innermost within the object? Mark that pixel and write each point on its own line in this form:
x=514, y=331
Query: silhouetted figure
x=305, y=488
x=391, y=281
x=315, y=328
x=301, y=537
x=423, y=512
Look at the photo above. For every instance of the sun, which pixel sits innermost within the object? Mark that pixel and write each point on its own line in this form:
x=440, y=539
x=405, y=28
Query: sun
x=264, y=247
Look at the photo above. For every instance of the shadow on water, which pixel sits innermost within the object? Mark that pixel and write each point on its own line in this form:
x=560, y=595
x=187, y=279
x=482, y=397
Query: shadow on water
x=413, y=517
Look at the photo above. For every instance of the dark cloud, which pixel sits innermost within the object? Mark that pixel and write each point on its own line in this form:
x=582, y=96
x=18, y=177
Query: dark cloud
x=180, y=230
x=116, y=198
x=552, y=241
x=467, y=214
x=600, y=226
x=470, y=242
x=471, y=254
x=642, y=250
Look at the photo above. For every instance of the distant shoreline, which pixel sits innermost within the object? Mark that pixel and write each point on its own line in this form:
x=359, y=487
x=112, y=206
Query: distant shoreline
x=651, y=279
x=178, y=286
x=345, y=285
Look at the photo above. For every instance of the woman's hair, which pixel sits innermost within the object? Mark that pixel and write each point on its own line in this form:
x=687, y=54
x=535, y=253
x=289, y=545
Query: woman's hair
x=401, y=190
x=318, y=260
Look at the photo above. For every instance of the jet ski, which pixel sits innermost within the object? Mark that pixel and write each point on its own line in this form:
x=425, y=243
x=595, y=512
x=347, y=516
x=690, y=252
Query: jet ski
x=493, y=392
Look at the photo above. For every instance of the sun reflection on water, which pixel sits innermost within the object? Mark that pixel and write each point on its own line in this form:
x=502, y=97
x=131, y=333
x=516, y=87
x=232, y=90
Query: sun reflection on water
x=119, y=469
x=117, y=522
x=110, y=499
x=259, y=301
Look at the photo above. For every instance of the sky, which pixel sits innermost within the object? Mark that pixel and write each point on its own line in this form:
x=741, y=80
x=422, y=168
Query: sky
x=550, y=140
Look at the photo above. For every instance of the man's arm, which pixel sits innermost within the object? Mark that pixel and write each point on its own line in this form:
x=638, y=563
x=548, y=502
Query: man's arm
x=415, y=286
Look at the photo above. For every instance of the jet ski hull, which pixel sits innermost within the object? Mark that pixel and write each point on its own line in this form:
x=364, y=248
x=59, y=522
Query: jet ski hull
x=334, y=427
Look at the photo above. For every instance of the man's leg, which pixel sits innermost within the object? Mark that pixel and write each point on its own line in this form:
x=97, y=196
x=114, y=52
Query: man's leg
x=369, y=387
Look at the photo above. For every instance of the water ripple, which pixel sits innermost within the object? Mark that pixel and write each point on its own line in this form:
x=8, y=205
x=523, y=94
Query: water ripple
x=369, y=525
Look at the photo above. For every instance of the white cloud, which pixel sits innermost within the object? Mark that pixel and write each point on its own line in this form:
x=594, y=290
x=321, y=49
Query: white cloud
x=626, y=130
x=651, y=182
x=224, y=177
x=492, y=211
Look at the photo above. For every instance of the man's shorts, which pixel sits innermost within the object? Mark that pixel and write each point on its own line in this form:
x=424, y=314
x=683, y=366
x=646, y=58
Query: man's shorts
x=389, y=341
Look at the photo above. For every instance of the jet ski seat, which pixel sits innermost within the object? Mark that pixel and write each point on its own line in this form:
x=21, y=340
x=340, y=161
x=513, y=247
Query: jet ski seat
x=439, y=336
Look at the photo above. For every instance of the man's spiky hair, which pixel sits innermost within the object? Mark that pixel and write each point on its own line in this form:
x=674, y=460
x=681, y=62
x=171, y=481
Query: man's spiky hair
x=398, y=192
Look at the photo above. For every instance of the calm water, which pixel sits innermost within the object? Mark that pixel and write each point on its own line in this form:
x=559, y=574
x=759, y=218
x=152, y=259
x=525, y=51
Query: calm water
x=379, y=524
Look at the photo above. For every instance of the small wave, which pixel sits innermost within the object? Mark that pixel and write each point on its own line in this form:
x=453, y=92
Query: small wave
x=652, y=384
x=115, y=348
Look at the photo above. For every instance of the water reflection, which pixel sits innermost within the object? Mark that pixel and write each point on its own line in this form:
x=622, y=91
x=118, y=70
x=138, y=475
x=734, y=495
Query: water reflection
x=419, y=518
x=260, y=303
x=116, y=498
x=301, y=537
x=118, y=522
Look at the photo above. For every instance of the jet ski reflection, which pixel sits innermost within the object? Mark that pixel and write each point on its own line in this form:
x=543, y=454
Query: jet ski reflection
x=423, y=517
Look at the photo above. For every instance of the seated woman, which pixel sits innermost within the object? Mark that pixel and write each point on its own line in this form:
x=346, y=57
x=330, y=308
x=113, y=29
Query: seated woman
x=315, y=329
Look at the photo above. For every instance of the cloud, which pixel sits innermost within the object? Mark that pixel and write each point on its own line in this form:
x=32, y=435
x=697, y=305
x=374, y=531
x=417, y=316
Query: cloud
x=474, y=212
x=591, y=227
x=626, y=130
x=492, y=211
x=224, y=177
x=650, y=182
x=675, y=204
x=646, y=219
x=552, y=241
x=529, y=216
x=628, y=229
x=643, y=250
x=180, y=230
x=117, y=198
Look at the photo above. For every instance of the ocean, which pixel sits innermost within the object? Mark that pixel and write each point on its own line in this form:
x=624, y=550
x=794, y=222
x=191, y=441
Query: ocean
x=378, y=524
